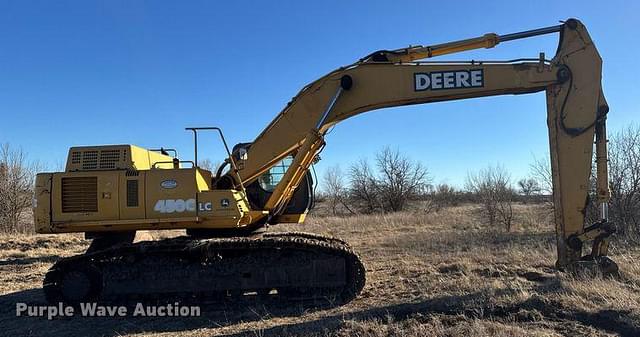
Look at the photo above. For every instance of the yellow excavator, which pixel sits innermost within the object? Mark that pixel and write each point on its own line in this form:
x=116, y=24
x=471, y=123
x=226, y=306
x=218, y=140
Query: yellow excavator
x=110, y=192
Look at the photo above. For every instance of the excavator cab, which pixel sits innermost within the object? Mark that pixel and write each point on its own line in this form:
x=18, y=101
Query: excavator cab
x=301, y=201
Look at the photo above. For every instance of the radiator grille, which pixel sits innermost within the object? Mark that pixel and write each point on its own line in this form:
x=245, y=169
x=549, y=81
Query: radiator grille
x=98, y=159
x=109, y=159
x=76, y=156
x=80, y=194
x=132, y=193
x=131, y=173
x=90, y=160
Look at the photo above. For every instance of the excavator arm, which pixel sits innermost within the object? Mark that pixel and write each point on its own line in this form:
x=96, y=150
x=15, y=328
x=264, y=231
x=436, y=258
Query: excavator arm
x=576, y=114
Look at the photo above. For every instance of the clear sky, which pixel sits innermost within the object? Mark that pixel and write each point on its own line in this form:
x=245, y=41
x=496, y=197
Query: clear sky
x=117, y=72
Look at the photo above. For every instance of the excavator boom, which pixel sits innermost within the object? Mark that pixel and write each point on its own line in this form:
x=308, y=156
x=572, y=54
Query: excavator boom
x=576, y=107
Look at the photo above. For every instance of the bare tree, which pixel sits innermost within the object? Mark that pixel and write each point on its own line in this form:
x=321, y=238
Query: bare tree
x=397, y=180
x=624, y=174
x=401, y=179
x=444, y=195
x=208, y=165
x=17, y=177
x=492, y=187
x=541, y=172
x=529, y=187
x=363, y=186
x=335, y=189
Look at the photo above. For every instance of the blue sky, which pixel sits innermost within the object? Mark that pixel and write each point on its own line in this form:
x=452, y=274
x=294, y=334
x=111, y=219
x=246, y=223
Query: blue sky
x=113, y=72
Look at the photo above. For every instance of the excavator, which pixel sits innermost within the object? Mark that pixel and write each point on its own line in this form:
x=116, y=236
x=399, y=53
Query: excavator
x=110, y=192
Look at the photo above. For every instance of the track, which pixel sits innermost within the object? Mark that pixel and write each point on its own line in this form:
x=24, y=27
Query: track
x=272, y=268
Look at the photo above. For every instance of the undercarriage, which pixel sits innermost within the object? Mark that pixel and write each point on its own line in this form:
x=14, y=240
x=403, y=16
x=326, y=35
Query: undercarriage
x=274, y=267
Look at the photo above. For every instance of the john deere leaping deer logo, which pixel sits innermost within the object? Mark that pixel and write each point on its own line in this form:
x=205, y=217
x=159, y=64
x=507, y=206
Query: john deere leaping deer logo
x=169, y=184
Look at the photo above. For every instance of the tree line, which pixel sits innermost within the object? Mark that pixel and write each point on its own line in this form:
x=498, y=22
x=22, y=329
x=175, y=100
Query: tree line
x=395, y=181
x=17, y=179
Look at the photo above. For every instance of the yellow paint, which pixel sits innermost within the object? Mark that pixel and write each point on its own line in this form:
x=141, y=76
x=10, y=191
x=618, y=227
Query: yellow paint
x=174, y=197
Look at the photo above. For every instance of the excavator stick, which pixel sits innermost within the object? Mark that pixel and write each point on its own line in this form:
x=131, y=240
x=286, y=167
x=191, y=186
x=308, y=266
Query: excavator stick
x=576, y=110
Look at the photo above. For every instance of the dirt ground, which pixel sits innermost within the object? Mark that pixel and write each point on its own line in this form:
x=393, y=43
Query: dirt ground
x=436, y=274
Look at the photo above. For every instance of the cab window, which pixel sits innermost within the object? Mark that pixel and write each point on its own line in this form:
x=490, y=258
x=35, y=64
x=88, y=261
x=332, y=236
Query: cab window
x=270, y=180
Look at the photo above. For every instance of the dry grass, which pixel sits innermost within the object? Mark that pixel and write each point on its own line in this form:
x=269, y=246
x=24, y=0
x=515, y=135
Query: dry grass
x=438, y=274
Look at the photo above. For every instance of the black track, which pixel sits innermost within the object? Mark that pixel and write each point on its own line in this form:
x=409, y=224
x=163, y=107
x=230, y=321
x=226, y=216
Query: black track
x=274, y=267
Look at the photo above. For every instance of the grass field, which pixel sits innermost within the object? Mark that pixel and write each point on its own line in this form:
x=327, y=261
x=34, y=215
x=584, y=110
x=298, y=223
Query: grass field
x=436, y=274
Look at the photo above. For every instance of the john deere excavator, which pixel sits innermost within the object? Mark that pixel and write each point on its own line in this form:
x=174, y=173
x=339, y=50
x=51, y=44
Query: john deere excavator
x=109, y=192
